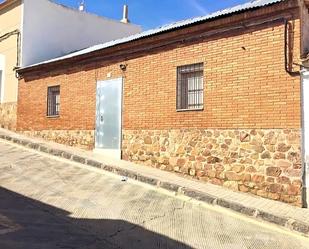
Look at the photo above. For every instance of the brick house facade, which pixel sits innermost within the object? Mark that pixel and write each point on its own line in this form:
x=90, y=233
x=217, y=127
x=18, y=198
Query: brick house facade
x=247, y=134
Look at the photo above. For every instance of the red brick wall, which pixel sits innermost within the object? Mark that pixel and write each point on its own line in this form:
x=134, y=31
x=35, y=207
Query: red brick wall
x=246, y=86
x=246, y=92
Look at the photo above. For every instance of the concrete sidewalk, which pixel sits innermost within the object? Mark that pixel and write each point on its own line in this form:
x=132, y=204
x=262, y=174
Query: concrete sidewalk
x=293, y=218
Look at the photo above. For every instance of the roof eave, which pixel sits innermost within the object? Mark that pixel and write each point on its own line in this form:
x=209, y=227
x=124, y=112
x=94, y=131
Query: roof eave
x=43, y=65
x=8, y=3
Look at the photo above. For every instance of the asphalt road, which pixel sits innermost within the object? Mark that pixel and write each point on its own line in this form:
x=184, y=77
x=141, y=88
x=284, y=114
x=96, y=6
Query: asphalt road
x=48, y=203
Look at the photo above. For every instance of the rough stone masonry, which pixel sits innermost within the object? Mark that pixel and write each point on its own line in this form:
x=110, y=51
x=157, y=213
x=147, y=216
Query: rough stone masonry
x=263, y=162
x=8, y=115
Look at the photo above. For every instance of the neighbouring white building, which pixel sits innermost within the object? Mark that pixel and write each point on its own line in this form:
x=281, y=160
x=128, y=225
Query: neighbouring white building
x=50, y=30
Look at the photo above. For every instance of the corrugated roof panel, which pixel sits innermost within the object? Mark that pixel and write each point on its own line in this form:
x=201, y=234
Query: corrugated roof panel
x=239, y=8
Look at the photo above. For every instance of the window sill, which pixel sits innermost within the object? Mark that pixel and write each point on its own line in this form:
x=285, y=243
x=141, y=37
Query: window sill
x=190, y=110
x=53, y=117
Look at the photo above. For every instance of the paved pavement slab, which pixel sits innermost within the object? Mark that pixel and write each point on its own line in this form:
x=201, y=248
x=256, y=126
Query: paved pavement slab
x=53, y=203
x=35, y=226
x=295, y=219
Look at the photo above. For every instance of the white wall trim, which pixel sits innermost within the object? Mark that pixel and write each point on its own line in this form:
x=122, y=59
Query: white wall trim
x=2, y=68
x=305, y=107
x=305, y=133
x=21, y=33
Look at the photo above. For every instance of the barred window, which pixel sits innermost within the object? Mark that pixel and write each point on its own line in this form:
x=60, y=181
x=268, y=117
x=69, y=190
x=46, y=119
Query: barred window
x=190, y=87
x=53, y=101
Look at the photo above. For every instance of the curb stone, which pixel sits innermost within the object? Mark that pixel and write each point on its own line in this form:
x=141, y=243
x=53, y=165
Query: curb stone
x=294, y=225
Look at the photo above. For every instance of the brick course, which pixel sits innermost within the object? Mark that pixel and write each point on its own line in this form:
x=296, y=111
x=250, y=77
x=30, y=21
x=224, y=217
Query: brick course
x=246, y=86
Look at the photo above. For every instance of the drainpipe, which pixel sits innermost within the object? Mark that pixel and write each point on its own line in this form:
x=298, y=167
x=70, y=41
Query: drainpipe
x=305, y=133
x=287, y=49
x=304, y=74
x=18, y=35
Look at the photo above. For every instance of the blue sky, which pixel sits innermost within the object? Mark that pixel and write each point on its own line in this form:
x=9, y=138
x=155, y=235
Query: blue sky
x=153, y=13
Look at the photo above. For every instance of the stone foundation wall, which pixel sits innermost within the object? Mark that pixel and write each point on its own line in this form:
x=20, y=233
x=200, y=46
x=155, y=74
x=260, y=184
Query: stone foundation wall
x=8, y=114
x=80, y=139
x=266, y=163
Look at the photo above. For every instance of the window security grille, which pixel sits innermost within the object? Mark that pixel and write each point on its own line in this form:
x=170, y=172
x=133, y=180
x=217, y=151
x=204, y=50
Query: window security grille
x=53, y=101
x=190, y=87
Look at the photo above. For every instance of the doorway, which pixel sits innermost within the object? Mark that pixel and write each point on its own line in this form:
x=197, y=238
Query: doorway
x=108, y=133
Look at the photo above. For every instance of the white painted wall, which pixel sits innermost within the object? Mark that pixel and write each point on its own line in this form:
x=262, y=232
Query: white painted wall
x=305, y=104
x=305, y=29
x=51, y=30
x=2, y=68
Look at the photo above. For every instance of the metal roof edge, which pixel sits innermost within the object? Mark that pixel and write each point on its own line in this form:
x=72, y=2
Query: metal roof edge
x=252, y=5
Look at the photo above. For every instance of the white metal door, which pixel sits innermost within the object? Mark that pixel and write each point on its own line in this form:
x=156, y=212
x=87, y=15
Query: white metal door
x=109, y=117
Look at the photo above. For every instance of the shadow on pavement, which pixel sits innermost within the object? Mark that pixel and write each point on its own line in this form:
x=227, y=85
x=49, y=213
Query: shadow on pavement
x=29, y=224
